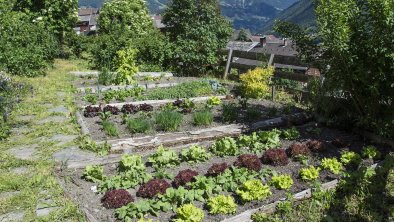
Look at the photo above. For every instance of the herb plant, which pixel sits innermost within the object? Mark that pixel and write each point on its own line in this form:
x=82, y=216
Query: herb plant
x=195, y=154
x=222, y=204
x=203, y=118
x=332, y=164
x=110, y=128
x=229, y=112
x=138, y=125
x=169, y=120
x=310, y=173
x=225, y=147
x=91, y=98
x=164, y=157
x=350, y=157
x=189, y=213
x=252, y=113
x=253, y=190
x=282, y=182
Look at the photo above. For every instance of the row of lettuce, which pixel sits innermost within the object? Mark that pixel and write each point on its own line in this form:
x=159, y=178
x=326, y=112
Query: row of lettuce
x=245, y=178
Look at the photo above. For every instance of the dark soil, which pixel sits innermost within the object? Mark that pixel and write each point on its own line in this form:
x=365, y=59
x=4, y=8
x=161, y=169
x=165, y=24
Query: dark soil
x=80, y=190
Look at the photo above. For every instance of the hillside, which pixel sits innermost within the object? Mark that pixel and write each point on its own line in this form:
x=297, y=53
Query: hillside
x=249, y=14
x=301, y=13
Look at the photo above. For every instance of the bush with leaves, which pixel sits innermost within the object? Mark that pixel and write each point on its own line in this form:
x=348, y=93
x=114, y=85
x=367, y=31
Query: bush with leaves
x=255, y=83
x=332, y=164
x=221, y=204
x=216, y=169
x=152, y=188
x=213, y=101
x=125, y=66
x=189, y=213
x=282, y=182
x=350, y=157
x=184, y=177
x=195, y=154
x=249, y=161
x=371, y=152
x=276, y=157
x=298, y=149
x=116, y=198
x=310, y=173
x=164, y=157
x=230, y=112
x=253, y=190
x=225, y=147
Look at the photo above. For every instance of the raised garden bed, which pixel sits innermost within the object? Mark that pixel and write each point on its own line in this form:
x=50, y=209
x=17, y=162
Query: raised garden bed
x=328, y=143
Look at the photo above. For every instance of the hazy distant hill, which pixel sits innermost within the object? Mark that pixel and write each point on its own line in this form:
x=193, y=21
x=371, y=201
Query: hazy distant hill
x=249, y=14
x=302, y=13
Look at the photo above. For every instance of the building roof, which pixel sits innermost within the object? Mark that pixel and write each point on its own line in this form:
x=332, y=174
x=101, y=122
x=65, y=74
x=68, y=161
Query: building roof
x=157, y=21
x=277, y=49
x=241, y=46
x=87, y=11
x=84, y=18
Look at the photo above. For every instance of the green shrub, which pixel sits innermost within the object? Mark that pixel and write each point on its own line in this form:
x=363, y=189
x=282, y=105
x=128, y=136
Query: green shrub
x=349, y=157
x=139, y=125
x=169, y=120
x=310, y=173
x=222, y=204
x=371, y=152
x=105, y=77
x=189, y=213
x=253, y=190
x=86, y=143
x=203, y=118
x=332, y=164
x=213, y=101
x=282, y=182
x=255, y=83
x=164, y=157
x=110, y=128
x=195, y=154
x=230, y=112
x=125, y=66
x=225, y=147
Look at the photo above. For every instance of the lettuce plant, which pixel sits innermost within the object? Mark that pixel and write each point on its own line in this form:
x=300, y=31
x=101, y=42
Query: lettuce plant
x=282, y=182
x=184, y=177
x=310, y=173
x=94, y=173
x=180, y=196
x=276, y=157
x=189, y=213
x=206, y=184
x=221, y=204
x=213, y=101
x=253, y=190
x=350, y=157
x=153, y=188
x=252, y=142
x=164, y=157
x=270, y=139
x=249, y=161
x=140, y=209
x=291, y=134
x=315, y=145
x=371, y=152
x=116, y=198
x=217, y=169
x=298, y=149
x=225, y=147
x=195, y=154
x=332, y=164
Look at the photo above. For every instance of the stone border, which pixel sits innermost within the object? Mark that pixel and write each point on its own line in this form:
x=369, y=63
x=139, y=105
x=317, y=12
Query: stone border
x=271, y=208
x=138, y=74
x=145, y=86
x=156, y=102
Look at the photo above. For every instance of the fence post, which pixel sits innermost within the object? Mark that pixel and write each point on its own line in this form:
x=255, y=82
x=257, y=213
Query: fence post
x=229, y=58
x=273, y=92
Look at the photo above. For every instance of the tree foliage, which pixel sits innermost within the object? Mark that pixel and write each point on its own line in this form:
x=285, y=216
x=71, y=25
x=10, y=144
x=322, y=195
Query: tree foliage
x=196, y=32
x=356, y=57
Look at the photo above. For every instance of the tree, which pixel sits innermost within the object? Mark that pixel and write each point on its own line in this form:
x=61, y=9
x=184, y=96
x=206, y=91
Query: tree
x=127, y=15
x=58, y=16
x=242, y=36
x=356, y=57
x=196, y=32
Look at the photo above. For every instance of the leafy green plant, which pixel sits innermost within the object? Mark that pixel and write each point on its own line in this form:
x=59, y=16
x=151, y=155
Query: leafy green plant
x=252, y=142
x=255, y=83
x=282, y=182
x=310, y=173
x=189, y=213
x=94, y=173
x=291, y=134
x=195, y=154
x=86, y=143
x=252, y=113
x=180, y=196
x=271, y=139
x=371, y=152
x=222, y=204
x=110, y=128
x=203, y=118
x=231, y=178
x=91, y=98
x=230, y=112
x=225, y=147
x=350, y=157
x=104, y=116
x=284, y=207
x=332, y=164
x=105, y=77
x=138, y=125
x=126, y=66
x=164, y=157
x=253, y=190
x=140, y=209
x=131, y=163
x=169, y=120
x=162, y=174
x=213, y=101
x=207, y=184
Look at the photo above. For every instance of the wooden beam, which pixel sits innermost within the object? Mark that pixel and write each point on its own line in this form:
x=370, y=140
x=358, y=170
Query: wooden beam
x=229, y=59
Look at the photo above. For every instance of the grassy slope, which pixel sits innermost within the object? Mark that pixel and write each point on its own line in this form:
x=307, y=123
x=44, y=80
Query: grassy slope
x=40, y=181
